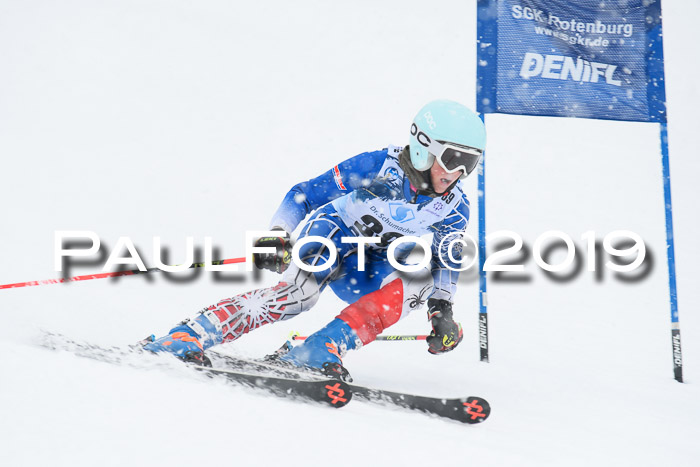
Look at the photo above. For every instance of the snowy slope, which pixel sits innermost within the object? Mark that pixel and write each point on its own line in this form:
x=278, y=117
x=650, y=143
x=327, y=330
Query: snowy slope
x=178, y=118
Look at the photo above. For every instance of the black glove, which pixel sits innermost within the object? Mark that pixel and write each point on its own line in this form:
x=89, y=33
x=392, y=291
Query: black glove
x=275, y=262
x=446, y=332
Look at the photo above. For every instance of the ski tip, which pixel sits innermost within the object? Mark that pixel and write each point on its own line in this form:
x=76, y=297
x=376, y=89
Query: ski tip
x=336, y=393
x=474, y=410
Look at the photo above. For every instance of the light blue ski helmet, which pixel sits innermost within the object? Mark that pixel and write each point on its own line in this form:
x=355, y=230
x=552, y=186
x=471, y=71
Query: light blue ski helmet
x=444, y=122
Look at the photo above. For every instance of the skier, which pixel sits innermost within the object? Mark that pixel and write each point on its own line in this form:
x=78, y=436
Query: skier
x=386, y=194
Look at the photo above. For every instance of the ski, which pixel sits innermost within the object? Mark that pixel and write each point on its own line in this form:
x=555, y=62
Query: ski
x=470, y=410
x=333, y=392
x=314, y=388
x=284, y=381
x=466, y=410
x=264, y=367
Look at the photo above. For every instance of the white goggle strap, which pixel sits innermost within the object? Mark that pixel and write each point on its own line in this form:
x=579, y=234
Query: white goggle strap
x=436, y=149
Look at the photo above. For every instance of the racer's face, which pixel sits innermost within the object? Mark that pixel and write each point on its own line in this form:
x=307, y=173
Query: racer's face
x=442, y=180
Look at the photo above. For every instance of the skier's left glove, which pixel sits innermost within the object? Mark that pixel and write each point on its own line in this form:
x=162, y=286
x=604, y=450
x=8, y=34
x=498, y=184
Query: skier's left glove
x=276, y=262
x=447, y=333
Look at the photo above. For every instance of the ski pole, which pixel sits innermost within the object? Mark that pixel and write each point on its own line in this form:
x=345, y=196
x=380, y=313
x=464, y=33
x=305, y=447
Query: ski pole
x=102, y=275
x=297, y=337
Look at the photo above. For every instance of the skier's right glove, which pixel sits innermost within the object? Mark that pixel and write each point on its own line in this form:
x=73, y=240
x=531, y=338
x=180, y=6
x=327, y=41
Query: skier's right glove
x=275, y=262
x=446, y=332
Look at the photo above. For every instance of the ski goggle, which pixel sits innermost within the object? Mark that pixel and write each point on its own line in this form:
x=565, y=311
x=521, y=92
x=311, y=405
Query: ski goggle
x=451, y=157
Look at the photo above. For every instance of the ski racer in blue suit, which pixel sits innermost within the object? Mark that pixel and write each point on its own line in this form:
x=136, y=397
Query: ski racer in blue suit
x=387, y=194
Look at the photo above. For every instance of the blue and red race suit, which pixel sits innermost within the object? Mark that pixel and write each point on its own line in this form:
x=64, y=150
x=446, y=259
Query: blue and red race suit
x=370, y=195
x=367, y=195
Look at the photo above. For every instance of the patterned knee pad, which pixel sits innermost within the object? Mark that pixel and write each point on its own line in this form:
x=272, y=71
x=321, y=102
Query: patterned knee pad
x=232, y=317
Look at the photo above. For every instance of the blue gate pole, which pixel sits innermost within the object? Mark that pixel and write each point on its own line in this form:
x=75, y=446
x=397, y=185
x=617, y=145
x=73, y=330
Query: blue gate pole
x=670, y=253
x=483, y=317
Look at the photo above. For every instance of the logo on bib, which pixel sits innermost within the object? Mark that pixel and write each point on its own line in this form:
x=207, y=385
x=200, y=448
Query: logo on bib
x=401, y=213
x=391, y=172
